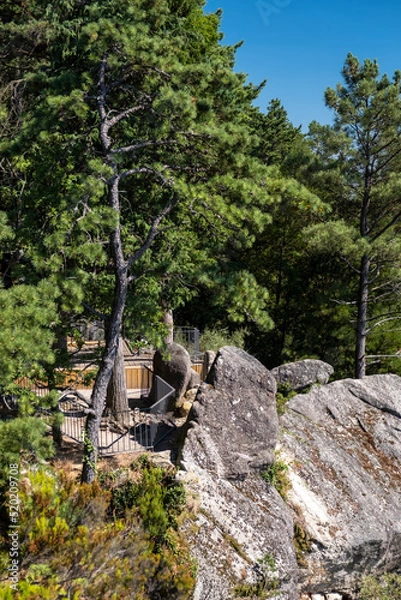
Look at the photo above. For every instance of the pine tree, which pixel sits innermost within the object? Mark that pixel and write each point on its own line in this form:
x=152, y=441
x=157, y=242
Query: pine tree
x=130, y=118
x=279, y=259
x=360, y=157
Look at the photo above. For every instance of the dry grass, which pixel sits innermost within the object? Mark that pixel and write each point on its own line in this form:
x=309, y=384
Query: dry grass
x=69, y=459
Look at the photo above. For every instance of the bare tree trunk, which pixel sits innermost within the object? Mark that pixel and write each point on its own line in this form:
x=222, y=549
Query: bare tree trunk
x=117, y=400
x=99, y=393
x=168, y=320
x=121, y=268
x=361, y=326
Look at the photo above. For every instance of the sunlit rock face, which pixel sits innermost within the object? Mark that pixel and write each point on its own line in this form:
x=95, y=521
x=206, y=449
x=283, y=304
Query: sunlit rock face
x=242, y=523
x=343, y=444
x=303, y=373
x=341, y=519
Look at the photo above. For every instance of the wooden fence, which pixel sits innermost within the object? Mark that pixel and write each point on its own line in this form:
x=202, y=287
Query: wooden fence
x=137, y=377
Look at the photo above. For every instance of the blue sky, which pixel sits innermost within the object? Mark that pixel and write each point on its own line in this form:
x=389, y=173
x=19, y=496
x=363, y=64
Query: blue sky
x=300, y=46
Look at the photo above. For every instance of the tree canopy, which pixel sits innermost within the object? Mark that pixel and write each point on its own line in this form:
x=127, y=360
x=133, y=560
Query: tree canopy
x=137, y=176
x=132, y=129
x=360, y=155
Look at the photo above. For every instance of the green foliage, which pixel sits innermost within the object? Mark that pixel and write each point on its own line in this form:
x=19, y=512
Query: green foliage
x=214, y=339
x=277, y=135
x=156, y=497
x=357, y=165
x=386, y=587
x=74, y=545
x=279, y=259
x=23, y=439
x=302, y=543
x=26, y=315
x=283, y=395
x=276, y=475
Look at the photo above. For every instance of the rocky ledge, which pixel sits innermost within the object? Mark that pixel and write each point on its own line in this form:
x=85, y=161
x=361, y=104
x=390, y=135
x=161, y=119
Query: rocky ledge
x=343, y=446
x=341, y=518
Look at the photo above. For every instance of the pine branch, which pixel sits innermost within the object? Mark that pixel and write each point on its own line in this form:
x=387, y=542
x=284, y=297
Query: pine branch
x=95, y=312
x=153, y=230
x=386, y=227
x=149, y=171
x=383, y=321
x=348, y=263
x=148, y=144
x=125, y=113
x=343, y=302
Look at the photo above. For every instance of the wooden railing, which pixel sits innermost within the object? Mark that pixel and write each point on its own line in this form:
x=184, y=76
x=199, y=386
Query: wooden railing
x=137, y=377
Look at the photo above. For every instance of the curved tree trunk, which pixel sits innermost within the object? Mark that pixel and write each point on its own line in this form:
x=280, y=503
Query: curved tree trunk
x=121, y=267
x=99, y=393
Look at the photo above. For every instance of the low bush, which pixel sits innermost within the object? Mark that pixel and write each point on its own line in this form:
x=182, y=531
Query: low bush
x=214, y=339
x=113, y=539
x=276, y=475
x=386, y=587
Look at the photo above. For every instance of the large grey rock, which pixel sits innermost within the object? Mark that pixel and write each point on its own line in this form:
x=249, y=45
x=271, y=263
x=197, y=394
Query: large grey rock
x=343, y=444
x=175, y=367
x=303, y=373
x=232, y=431
x=238, y=524
x=234, y=415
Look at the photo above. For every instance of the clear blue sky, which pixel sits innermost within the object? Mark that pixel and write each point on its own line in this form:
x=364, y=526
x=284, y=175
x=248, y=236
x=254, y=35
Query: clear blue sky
x=300, y=46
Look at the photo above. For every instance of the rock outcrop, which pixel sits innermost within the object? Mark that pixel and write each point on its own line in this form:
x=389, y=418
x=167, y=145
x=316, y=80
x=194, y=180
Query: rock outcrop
x=208, y=360
x=303, y=373
x=343, y=444
x=175, y=367
x=234, y=416
x=232, y=431
x=342, y=516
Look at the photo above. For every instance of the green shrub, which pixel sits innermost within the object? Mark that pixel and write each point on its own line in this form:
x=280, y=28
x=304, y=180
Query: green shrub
x=386, y=587
x=277, y=476
x=214, y=339
x=75, y=543
x=23, y=439
x=155, y=495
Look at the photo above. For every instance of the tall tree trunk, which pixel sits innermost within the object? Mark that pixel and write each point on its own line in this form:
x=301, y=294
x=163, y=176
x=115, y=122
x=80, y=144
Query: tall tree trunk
x=168, y=320
x=56, y=428
x=99, y=393
x=361, y=326
x=121, y=267
x=98, y=399
x=117, y=400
